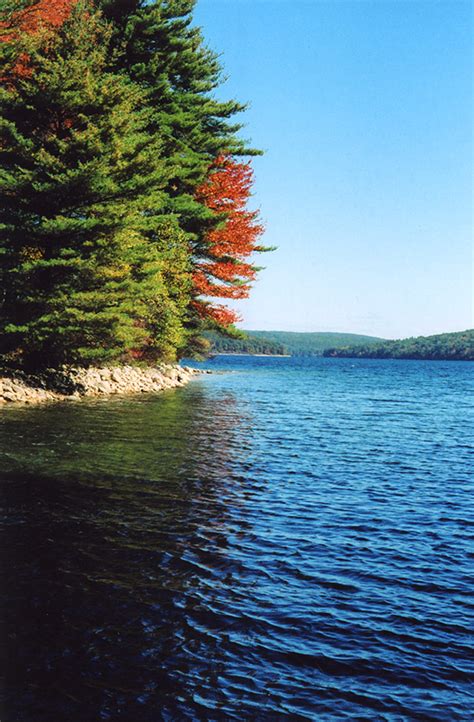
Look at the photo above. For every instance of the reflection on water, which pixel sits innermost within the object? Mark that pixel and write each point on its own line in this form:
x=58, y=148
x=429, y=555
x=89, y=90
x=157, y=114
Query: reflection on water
x=233, y=551
x=100, y=574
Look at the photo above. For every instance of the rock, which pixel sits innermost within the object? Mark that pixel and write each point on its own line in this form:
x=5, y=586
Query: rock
x=9, y=396
x=73, y=383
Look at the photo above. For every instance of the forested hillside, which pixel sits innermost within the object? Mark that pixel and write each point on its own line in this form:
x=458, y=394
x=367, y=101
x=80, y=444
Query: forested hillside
x=445, y=346
x=285, y=342
x=311, y=344
x=245, y=344
x=123, y=196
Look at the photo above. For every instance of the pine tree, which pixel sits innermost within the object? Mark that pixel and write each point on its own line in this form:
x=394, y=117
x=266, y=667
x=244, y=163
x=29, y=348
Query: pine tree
x=161, y=49
x=112, y=224
x=93, y=267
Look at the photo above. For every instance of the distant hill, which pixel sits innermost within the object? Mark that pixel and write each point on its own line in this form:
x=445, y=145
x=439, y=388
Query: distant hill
x=286, y=342
x=245, y=344
x=314, y=343
x=457, y=346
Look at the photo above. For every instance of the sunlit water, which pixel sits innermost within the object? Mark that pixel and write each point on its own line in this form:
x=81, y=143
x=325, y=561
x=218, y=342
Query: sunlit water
x=289, y=540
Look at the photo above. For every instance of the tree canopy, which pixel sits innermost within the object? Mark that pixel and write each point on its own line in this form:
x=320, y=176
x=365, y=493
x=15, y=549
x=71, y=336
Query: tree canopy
x=124, y=202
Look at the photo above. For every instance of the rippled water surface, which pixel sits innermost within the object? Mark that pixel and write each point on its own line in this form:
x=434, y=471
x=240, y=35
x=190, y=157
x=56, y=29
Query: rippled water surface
x=288, y=540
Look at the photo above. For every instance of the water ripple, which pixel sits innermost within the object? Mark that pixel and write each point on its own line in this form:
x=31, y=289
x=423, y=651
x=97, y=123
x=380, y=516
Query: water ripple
x=289, y=541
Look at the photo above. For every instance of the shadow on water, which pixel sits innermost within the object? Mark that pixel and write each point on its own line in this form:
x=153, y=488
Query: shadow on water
x=95, y=553
x=288, y=541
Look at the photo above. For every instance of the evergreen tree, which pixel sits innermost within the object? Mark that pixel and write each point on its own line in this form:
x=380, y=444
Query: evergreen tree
x=93, y=267
x=112, y=225
x=159, y=47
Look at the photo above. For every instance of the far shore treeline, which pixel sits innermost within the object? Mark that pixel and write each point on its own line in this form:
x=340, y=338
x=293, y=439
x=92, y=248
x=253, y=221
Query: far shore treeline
x=445, y=346
x=458, y=346
x=124, y=185
x=284, y=342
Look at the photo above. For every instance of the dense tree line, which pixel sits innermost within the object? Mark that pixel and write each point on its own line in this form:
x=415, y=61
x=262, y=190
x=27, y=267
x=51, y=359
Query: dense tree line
x=285, y=342
x=446, y=346
x=123, y=192
x=244, y=343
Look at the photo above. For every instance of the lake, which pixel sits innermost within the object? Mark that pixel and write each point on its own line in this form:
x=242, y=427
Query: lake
x=287, y=539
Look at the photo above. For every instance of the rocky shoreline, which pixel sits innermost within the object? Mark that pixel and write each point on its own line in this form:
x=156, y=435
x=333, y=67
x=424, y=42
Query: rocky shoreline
x=69, y=383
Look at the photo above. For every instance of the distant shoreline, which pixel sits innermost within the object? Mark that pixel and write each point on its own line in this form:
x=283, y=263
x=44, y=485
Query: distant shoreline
x=261, y=355
x=456, y=345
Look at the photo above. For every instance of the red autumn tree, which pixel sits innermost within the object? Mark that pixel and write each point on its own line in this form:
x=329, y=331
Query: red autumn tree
x=225, y=269
x=44, y=13
x=31, y=19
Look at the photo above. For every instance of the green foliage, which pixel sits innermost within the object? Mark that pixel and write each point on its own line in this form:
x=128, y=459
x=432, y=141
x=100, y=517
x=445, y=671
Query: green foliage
x=91, y=267
x=446, y=346
x=244, y=343
x=311, y=343
x=292, y=342
x=159, y=48
x=108, y=126
x=197, y=347
x=164, y=317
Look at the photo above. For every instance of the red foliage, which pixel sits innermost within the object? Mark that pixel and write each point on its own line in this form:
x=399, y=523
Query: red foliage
x=226, y=272
x=216, y=312
x=43, y=14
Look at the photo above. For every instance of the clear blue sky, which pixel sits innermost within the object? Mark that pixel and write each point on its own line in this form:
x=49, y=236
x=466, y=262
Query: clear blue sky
x=364, y=109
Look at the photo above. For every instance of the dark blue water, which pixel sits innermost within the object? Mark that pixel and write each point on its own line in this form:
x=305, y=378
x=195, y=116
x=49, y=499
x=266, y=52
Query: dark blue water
x=289, y=540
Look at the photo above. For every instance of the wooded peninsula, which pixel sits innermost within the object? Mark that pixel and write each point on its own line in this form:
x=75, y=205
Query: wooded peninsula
x=124, y=185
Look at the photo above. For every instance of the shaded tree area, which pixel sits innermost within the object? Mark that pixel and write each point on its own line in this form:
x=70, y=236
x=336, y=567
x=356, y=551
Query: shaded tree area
x=123, y=202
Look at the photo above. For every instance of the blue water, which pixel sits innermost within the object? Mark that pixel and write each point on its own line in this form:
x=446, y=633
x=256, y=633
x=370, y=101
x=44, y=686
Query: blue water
x=285, y=540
